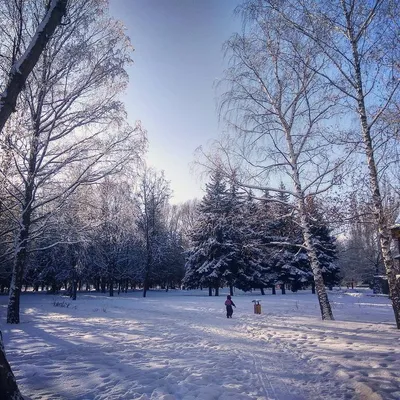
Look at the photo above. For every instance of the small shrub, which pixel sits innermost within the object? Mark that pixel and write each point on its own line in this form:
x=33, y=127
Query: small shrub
x=63, y=304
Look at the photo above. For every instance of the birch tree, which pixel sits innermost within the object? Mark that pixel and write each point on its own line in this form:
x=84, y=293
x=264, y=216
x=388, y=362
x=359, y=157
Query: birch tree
x=278, y=106
x=361, y=43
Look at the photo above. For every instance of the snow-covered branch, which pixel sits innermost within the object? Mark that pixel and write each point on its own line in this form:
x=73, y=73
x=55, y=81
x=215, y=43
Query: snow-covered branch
x=24, y=65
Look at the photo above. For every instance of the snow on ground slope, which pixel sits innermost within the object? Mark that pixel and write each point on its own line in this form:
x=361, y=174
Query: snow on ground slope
x=180, y=346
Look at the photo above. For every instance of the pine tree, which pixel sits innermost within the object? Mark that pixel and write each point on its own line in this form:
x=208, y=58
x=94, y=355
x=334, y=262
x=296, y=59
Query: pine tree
x=209, y=256
x=260, y=224
x=234, y=235
x=246, y=266
x=290, y=262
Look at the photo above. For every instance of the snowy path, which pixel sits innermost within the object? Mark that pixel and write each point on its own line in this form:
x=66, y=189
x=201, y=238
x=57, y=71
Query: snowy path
x=175, y=348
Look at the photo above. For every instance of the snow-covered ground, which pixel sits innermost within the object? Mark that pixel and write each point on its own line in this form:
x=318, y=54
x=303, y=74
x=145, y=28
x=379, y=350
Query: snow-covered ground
x=180, y=346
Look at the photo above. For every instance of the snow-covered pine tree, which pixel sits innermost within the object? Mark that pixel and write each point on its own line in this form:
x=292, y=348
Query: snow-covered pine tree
x=209, y=255
x=236, y=236
x=245, y=268
x=260, y=271
x=291, y=263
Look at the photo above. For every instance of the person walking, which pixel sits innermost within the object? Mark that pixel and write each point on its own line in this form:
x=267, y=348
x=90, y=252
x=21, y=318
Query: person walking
x=229, y=306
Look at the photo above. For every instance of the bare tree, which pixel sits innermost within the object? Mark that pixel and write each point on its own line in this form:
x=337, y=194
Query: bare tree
x=361, y=43
x=277, y=104
x=73, y=131
x=114, y=231
x=152, y=195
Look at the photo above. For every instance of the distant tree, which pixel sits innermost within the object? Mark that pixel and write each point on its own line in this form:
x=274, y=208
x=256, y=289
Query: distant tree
x=174, y=257
x=360, y=256
x=188, y=212
x=112, y=233
x=153, y=193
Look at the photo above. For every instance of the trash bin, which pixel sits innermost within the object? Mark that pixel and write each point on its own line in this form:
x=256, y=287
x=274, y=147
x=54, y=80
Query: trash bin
x=257, y=306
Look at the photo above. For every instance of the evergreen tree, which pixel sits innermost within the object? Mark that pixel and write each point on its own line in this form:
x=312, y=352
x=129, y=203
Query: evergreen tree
x=257, y=269
x=237, y=237
x=209, y=256
x=290, y=261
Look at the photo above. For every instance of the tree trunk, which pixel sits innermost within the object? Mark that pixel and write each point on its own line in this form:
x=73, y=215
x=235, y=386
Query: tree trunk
x=325, y=307
x=313, y=287
x=273, y=289
x=74, y=288
x=323, y=300
x=217, y=290
x=26, y=213
x=231, y=290
x=283, y=288
x=16, y=280
x=210, y=291
x=262, y=291
x=24, y=66
x=8, y=383
x=111, y=288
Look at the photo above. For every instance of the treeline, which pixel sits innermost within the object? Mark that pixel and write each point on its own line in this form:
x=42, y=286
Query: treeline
x=114, y=234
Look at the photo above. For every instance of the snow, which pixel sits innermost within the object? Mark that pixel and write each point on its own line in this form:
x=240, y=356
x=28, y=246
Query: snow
x=16, y=67
x=180, y=346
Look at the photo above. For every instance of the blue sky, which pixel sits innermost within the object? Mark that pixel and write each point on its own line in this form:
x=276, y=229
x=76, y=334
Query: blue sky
x=178, y=57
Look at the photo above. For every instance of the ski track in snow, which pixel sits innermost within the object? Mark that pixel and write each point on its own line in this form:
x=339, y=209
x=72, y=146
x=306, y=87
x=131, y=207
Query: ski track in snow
x=176, y=347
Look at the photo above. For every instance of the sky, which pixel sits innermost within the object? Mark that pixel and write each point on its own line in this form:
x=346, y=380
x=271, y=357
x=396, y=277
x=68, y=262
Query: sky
x=177, y=60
